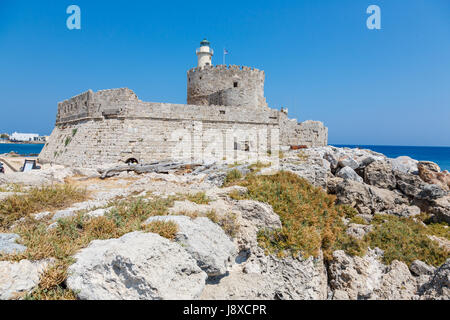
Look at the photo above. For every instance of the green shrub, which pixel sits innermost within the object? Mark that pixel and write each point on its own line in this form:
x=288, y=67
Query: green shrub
x=198, y=198
x=310, y=219
x=405, y=240
x=232, y=176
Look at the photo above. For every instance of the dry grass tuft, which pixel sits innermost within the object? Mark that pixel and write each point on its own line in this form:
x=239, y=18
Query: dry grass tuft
x=45, y=198
x=198, y=198
x=166, y=229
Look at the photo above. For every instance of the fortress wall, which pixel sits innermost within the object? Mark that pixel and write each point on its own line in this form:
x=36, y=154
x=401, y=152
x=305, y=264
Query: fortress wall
x=92, y=143
x=206, y=83
x=74, y=108
x=94, y=104
x=312, y=134
x=199, y=113
x=113, y=126
x=308, y=133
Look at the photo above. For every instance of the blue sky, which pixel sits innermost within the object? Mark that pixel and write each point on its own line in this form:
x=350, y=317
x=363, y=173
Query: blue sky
x=388, y=86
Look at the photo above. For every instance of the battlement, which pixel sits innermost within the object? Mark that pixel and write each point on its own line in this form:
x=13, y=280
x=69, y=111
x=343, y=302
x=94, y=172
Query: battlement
x=92, y=104
x=225, y=67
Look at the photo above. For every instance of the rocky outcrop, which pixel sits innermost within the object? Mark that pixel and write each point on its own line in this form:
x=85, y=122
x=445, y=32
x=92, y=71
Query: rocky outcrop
x=252, y=217
x=348, y=173
x=431, y=173
x=358, y=231
x=405, y=164
x=440, y=208
x=260, y=215
x=46, y=175
x=141, y=266
x=439, y=285
x=367, y=278
x=9, y=245
x=380, y=174
x=205, y=241
x=269, y=277
x=367, y=199
x=19, y=278
x=419, y=268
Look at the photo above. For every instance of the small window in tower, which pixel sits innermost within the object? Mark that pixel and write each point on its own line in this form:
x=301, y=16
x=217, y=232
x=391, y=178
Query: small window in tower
x=222, y=111
x=208, y=64
x=235, y=84
x=200, y=78
x=247, y=146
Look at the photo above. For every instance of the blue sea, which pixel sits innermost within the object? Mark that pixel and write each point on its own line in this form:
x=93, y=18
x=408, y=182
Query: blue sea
x=439, y=155
x=22, y=149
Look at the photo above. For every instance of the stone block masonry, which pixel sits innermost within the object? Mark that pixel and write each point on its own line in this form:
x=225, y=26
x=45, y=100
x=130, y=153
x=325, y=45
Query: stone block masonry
x=226, y=119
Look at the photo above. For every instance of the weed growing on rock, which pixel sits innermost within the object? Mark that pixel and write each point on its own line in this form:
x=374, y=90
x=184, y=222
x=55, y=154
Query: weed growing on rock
x=198, y=198
x=166, y=229
x=310, y=219
x=232, y=176
x=405, y=240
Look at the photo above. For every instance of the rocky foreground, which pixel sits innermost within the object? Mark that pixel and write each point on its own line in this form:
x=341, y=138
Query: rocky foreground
x=196, y=232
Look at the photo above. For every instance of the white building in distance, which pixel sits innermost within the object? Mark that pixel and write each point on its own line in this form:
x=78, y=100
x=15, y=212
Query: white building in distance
x=23, y=137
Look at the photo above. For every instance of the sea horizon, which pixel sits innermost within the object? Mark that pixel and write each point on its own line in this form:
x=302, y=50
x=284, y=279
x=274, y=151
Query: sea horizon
x=438, y=154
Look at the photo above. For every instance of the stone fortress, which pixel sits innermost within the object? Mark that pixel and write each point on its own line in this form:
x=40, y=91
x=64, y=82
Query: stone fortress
x=224, y=103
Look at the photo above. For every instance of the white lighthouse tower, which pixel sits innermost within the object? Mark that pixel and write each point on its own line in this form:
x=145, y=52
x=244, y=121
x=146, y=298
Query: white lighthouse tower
x=204, y=54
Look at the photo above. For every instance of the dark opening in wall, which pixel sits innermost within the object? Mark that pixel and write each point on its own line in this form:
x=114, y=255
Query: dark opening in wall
x=236, y=146
x=235, y=84
x=247, y=146
x=222, y=111
x=131, y=161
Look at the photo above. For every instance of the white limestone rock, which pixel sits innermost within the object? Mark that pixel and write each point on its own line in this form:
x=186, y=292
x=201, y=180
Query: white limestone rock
x=259, y=214
x=439, y=285
x=86, y=172
x=358, y=231
x=205, y=241
x=367, y=278
x=137, y=266
x=42, y=215
x=8, y=244
x=419, y=268
x=349, y=174
x=19, y=278
x=268, y=277
x=405, y=164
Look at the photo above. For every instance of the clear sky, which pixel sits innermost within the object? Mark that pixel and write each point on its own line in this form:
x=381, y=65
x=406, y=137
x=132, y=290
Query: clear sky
x=388, y=86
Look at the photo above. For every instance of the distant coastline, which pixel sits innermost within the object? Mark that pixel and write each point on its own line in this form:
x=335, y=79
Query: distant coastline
x=20, y=142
